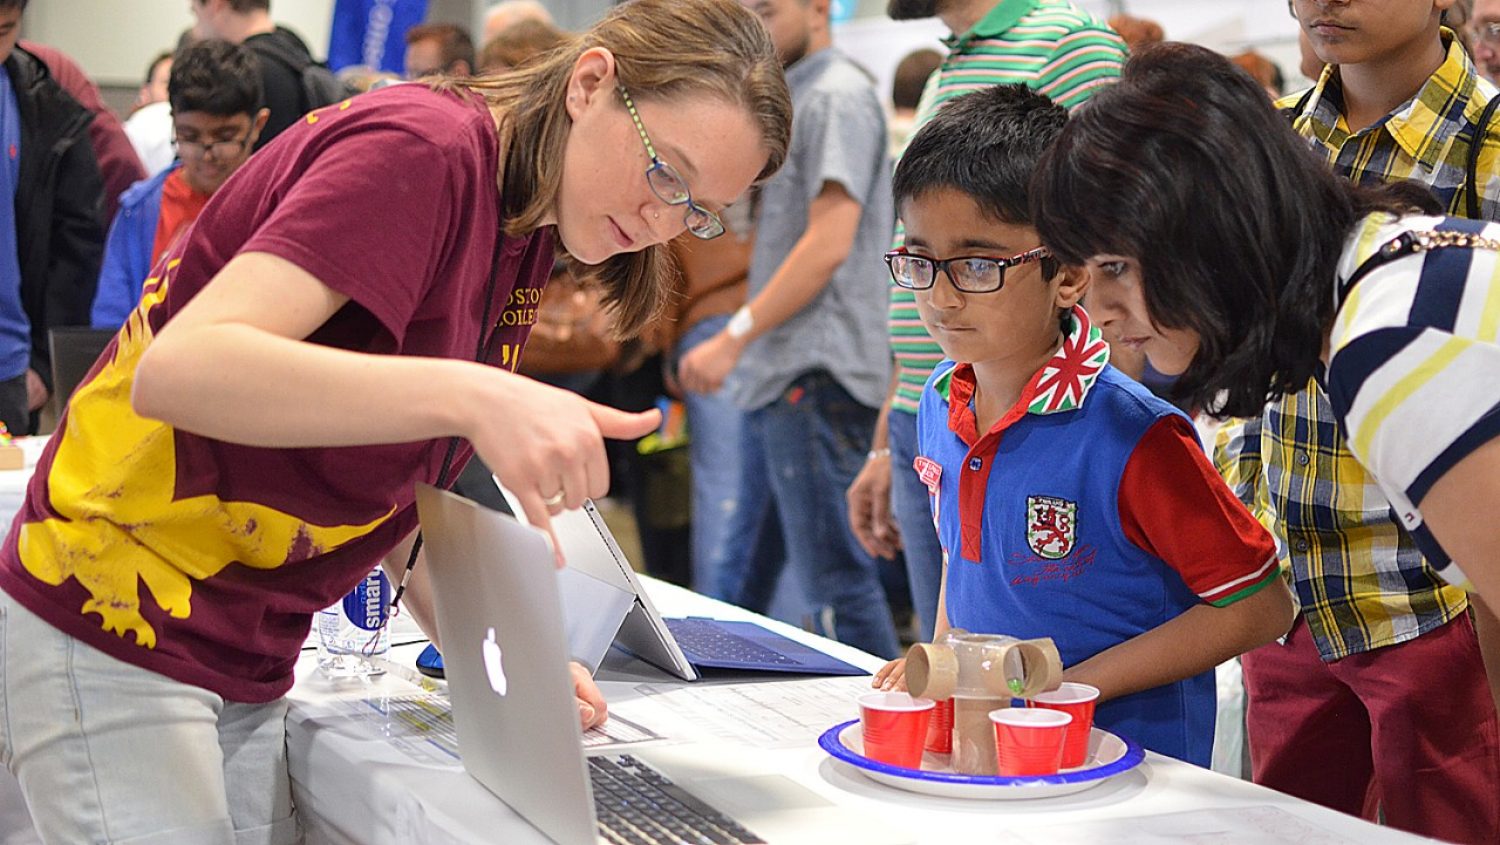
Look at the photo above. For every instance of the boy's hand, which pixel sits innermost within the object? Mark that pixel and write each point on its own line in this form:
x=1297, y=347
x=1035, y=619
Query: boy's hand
x=891, y=677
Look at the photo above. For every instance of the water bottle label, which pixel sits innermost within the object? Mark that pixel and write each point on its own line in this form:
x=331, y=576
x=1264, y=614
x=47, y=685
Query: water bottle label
x=366, y=603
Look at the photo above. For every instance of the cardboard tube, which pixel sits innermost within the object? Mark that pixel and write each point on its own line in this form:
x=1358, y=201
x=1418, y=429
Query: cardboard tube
x=1022, y=669
x=1042, y=667
x=974, y=735
x=931, y=671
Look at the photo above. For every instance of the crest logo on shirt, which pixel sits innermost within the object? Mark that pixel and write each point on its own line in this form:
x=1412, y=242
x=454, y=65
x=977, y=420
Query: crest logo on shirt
x=1051, y=526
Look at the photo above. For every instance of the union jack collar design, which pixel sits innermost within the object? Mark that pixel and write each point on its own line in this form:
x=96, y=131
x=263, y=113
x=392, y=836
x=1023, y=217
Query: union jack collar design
x=1064, y=380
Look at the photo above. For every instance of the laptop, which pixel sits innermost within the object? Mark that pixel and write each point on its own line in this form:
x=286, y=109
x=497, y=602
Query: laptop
x=499, y=613
x=683, y=647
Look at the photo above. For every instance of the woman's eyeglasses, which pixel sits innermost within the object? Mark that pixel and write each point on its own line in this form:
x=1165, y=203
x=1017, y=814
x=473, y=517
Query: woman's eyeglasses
x=670, y=187
x=968, y=273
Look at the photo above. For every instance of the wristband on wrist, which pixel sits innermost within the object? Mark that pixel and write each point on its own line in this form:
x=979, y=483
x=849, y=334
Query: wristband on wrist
x=741, y=323
x=877, y=453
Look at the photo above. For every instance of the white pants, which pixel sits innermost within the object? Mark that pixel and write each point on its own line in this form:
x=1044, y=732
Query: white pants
x=107, y=752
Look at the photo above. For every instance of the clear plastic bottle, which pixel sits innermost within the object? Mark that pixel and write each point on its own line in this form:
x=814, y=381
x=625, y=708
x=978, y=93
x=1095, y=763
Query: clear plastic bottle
x=353, y=631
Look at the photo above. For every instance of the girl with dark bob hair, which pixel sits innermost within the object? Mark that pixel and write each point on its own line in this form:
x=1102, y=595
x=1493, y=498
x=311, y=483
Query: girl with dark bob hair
x=1230, y=254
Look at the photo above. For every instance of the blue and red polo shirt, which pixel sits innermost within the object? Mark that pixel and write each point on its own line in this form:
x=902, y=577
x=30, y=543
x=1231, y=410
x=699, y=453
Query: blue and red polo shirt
x=1088, y=513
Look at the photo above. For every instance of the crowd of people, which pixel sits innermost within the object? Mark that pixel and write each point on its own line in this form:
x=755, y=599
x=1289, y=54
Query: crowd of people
x=1080, y=333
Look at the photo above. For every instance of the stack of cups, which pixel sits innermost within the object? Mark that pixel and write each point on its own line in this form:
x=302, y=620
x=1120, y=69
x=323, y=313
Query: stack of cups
x=1077, y=700
x=940, y=729
x=1029, y=741
x=894, y=726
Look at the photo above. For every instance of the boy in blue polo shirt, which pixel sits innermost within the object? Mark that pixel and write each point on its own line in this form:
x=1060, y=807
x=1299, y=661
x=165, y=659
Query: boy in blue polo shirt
x=1070, y=503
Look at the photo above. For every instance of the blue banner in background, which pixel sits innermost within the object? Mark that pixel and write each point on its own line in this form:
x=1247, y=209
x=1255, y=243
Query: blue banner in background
x=372, y=32
x=842, y=10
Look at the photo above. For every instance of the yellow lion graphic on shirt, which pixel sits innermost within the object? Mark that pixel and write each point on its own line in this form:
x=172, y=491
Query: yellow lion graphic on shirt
x=112, y=484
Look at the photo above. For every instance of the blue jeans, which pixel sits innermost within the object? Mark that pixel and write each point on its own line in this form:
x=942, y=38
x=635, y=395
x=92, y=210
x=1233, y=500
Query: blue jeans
x=714, y=424
x=913, y=511
x=813, y=439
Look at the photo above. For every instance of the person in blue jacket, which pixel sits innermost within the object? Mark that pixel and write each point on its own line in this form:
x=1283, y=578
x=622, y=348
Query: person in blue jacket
x=217, y=114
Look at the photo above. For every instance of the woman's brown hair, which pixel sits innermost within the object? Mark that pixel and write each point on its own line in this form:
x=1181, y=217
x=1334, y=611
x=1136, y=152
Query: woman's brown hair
x=663, y=49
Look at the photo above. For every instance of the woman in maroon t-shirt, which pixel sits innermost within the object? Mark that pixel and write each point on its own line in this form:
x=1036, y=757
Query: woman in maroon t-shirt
x=354, y=297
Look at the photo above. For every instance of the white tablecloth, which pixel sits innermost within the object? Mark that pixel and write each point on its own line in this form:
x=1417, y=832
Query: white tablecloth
x=354, y=786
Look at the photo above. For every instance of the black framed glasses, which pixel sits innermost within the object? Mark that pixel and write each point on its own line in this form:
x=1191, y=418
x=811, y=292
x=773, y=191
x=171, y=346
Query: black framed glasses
x=670, y=187
x=218, y=149
x=968, y=273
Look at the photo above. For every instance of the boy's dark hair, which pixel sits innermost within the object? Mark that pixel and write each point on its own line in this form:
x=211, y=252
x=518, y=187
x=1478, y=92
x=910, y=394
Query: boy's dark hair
x=215, y=77
x=911, y=77
x=984, y=145
x=13, y=4
x=454, y=43
x=1238, y=225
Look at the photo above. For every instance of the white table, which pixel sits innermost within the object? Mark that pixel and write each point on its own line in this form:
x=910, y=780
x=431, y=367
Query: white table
x=353, y=786
x=13, y=481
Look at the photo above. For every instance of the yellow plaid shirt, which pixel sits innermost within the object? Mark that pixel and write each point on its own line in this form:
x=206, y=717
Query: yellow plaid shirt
x=1358, y=575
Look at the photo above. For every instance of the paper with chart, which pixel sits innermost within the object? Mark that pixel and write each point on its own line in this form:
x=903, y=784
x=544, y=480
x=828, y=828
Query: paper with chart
x=783, y=714
x=420, y=725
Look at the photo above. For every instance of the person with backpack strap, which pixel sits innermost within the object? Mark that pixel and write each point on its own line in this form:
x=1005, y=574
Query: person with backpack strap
x=294, y=83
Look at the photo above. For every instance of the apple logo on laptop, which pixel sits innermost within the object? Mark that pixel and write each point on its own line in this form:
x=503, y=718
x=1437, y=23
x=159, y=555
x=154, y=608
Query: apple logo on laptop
x=492, y=663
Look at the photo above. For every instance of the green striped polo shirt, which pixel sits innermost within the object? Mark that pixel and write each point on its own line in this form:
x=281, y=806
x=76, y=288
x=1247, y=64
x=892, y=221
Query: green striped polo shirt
x=1051, y=46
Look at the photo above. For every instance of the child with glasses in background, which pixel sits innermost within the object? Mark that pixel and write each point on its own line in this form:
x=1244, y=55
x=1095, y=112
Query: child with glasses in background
x=1070, y=502
x=217, y=113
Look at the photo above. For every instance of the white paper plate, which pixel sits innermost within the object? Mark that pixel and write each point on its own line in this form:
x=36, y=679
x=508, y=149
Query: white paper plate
x=1109, y=756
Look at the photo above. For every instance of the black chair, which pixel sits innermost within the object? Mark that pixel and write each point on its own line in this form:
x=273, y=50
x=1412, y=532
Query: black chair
x=74, y=351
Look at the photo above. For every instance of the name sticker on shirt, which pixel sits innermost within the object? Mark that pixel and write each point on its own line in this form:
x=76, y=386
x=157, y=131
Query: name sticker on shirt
x=929, y=471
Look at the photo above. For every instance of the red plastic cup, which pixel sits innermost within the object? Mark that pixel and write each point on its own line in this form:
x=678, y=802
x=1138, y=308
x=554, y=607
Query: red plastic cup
x=894, y=726
x=1029, y=740
x=940, y=729
x=1077, y=700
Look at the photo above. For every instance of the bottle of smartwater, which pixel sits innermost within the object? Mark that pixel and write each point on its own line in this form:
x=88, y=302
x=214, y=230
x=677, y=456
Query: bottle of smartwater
x=353, y=631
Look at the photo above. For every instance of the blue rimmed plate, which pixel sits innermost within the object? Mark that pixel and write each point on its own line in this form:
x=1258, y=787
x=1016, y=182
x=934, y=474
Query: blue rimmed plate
x=1109, y=756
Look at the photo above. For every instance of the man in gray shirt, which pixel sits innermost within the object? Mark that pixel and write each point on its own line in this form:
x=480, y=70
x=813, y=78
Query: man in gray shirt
x=809, y=351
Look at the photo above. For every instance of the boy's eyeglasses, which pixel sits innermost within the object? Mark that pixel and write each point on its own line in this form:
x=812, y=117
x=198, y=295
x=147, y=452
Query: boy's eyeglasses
x=220, y=150
x=968, y=273
x=670, y=187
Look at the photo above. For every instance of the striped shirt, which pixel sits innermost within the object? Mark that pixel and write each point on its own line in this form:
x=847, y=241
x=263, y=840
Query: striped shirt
x=1413, y=355
x=1051, y=46
x=1361, y=580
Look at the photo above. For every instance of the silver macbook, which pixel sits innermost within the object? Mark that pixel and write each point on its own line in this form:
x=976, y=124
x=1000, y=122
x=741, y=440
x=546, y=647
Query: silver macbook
x=495, y=591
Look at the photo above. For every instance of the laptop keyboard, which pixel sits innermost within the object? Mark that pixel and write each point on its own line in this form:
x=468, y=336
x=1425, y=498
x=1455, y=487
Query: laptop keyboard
x=637, y=805
x=702, y=639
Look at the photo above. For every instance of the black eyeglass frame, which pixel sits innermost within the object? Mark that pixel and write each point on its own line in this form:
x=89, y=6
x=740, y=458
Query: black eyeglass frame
x=233, y=146
x=943, y=265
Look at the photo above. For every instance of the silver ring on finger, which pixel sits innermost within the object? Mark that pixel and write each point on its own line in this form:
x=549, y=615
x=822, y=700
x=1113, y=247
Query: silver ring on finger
x=555, y=499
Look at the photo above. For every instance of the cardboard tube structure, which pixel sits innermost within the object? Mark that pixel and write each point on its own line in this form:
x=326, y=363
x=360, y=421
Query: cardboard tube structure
x=980, y=672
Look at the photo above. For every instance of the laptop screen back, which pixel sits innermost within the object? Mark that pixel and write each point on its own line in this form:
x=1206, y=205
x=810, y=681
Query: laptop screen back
x=496, y=599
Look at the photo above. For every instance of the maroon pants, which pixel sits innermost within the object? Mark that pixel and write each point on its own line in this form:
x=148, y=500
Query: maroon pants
x=1409, y=729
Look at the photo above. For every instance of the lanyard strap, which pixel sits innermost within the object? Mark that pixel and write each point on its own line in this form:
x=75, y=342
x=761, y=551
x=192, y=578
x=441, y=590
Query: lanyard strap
x=482, y=350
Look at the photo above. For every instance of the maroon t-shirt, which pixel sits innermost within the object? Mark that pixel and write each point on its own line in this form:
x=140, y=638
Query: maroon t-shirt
x=204, y=560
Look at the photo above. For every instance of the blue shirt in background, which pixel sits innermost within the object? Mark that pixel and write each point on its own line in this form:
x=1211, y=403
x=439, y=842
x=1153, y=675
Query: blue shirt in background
x=15, y=326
